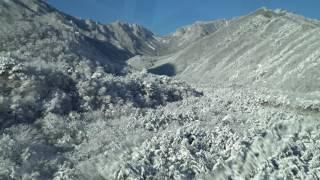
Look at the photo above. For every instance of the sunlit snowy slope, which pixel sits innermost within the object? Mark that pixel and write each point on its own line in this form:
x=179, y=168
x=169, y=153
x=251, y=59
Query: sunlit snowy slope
x=235, y=99
x=275, y=49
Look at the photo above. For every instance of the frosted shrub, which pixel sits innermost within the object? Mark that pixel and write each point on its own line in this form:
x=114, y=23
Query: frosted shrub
x=30, y=89
x=192, y=151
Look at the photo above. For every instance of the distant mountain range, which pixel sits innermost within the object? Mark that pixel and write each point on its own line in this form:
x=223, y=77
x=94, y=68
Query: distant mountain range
x=271, y=48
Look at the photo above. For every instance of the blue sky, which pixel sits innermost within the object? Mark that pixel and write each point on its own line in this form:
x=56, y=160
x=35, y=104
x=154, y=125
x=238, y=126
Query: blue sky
x=164, y=16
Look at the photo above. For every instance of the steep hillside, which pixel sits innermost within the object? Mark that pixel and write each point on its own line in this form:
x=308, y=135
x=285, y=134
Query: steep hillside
x=74, y=107
x=60, y=75
x=186, y=35
x=31, y=24
x=166, y=46
x=275, y=49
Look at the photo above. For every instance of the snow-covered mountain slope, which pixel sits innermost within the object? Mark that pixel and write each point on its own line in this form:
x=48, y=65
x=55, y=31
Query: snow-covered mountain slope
x=33, y=19
x=46, y=55
x=53, y=66
x=186, y=35
x=276, y=49
x=72, y=109
x=168, y=45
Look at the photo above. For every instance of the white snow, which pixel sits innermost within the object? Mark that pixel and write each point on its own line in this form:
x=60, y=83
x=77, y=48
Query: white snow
x=150, y=46
x=70, y=109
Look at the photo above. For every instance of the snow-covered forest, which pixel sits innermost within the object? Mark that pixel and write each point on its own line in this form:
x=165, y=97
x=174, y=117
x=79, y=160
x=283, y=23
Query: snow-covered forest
x=83, y=100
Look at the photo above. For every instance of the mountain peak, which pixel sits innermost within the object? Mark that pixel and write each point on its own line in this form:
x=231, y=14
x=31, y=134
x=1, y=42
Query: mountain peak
x=23, y=8
x=136, y=30
x=132, y=26
x=287, y=15
x=269, y=13
x=193, y=32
